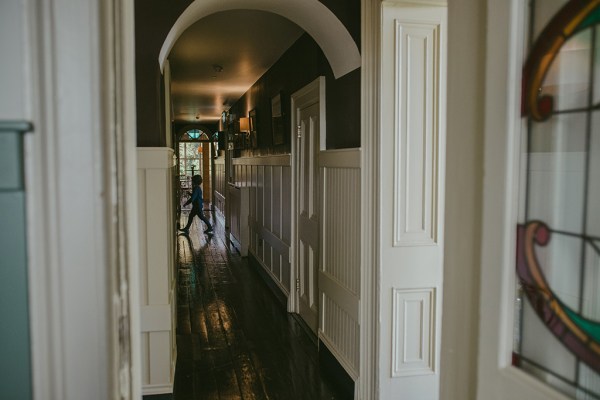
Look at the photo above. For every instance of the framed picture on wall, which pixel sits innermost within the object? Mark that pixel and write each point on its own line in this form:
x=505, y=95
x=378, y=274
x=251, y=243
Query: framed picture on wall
x=253, y=129
x=277, y=120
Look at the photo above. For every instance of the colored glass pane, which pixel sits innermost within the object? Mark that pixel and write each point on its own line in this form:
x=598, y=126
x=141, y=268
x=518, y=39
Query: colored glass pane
x=557, y=308
x=194, y=133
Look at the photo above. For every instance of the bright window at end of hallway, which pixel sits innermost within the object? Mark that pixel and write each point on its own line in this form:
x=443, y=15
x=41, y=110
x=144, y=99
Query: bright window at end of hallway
x=557, y=318
x=190, y=151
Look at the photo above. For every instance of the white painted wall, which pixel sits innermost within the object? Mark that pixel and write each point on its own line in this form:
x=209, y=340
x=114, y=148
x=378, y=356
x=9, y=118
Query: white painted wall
x=269, y=181
x=311, y=15
x=497, y=378
x=63, y=230
x=411, y=197
x=168, y=115
x=157, y=268
x=15, y=75
x=51, y=73
x=220, y=183
x=464, y=178
x=339, y=265
x=239, y=229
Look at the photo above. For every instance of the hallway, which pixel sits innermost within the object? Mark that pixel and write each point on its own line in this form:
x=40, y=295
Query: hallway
x=234, y=339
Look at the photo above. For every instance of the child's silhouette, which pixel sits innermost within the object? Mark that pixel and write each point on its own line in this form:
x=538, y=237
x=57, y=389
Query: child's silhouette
x=197, y=204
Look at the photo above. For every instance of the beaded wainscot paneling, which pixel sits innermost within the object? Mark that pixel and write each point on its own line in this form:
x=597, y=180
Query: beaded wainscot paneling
x=339, y=272
x=269, y=182
x=157, y=269
x=270, y=216
x=220, y=184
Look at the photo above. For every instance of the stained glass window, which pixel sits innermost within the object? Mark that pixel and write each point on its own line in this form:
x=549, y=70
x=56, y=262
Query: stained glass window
x=190, y=159
x=557, y=324
x=194, y=133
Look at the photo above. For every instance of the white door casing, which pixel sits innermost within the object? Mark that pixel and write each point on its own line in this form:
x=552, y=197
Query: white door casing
x=308, y=120
x=368, y=379
x=412, y=146
x=497, y=378
x=80, y=173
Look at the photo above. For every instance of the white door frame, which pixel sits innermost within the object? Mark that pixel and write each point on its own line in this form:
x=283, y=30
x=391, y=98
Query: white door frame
x=112, y=36
x=318, y=87
x=80, y=167
x=371, y=84
x=367, y=383
x=115, y=30
x=496, y=376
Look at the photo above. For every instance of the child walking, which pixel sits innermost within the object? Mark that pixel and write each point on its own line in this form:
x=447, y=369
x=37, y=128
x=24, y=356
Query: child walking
x=197, y=204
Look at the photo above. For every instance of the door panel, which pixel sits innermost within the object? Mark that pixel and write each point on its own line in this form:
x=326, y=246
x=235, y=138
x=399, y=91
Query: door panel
x=412, y=193
x=308, y=216
x=15, y=364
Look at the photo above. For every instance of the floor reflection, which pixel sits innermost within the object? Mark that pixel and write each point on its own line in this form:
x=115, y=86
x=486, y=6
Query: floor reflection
x=234, y=340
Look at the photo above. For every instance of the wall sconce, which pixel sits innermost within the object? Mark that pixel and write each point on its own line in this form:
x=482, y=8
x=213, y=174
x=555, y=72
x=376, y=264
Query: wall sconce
x=245, y=125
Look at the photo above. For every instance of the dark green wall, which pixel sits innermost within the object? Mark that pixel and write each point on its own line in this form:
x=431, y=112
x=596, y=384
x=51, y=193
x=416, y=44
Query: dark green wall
x=301, y=64
x=153, y=21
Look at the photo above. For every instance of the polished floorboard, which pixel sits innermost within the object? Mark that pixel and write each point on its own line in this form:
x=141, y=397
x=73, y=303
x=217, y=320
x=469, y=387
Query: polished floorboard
x=234, y=339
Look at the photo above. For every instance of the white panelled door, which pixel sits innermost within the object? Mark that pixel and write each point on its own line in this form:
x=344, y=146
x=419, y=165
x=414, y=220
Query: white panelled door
x=411, y=199
x=306, y=109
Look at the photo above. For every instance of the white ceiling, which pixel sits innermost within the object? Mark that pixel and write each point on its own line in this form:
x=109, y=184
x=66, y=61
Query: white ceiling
x=244, y=43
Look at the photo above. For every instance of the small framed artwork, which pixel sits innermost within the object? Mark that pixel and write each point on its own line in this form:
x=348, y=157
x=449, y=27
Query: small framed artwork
x=253, y=129
x=277, y=120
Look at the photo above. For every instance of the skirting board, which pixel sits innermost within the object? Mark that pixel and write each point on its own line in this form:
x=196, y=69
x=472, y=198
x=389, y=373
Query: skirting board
x=265, y=274
x=150, y=390
x=236, y=245
x=335, y=371
x=168, y=396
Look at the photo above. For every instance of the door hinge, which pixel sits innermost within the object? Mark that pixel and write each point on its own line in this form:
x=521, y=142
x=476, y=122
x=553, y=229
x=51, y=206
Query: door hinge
x=299, y=131
x=297, y=284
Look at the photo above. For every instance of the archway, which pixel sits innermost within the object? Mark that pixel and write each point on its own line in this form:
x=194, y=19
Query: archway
x=311, y=15
x=196, y=149
x=342, y=54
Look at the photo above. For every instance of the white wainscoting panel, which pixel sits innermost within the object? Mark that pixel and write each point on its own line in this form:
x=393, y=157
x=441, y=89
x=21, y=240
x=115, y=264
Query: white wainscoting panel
x=157, y=268
x=410, y=196
x=416, y=133
x=269, y=182
x=268, y=179
x=220, y=184
x=238, y=209
x=339, y=269
x=413, y=332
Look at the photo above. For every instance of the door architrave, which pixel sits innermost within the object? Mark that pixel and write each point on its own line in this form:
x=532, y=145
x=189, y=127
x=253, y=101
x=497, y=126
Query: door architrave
x=497, y=377
x=89, y=133
x=306, y=95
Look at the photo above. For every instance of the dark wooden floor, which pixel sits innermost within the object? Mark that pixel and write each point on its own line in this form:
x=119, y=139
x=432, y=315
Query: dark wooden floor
x=234, y=340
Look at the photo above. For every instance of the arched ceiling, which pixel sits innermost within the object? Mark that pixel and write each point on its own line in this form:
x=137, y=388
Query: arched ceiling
x=311, y=15
x=244, y=43
x=244, y=38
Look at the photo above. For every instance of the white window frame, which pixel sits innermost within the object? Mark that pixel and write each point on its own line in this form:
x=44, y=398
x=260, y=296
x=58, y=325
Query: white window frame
x=497, y=378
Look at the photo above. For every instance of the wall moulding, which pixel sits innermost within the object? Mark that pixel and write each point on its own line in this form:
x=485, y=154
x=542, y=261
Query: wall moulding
x=311, y=15
x=432, y=3
x=416, y=131
x=282, y=160
x=414, y=332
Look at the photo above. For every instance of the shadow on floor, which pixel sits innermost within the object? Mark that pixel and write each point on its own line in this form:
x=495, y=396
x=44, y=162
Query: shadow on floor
x=234, y=339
